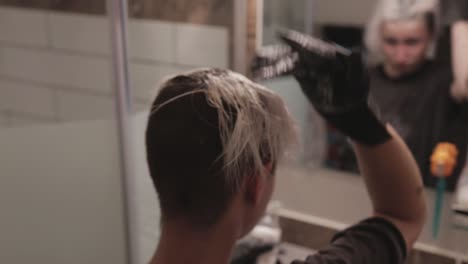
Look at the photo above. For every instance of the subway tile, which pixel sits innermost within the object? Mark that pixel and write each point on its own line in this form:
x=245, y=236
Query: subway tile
x=140, y=107
x=151, y=40
x=56, y=68
x=80, y=32
x=144, y=79
x=148, y=39
x=19, y=120
x=4, y=120
x=202, y=45
x=23, y=26
x=76, y=106
x=25, y=98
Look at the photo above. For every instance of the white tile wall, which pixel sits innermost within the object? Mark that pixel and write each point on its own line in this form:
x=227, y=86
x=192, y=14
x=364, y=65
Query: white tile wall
x=23, y=26
x=4, y=120
x=65, y=187
x=77, y=106
x=56, y=68
x=85, y=33
x=202, y=45
x=146, y=78
x=24, y=98
x=22, y=120
x=148, y=39
x=61, y=64
x=152, y=40
x=139, y=107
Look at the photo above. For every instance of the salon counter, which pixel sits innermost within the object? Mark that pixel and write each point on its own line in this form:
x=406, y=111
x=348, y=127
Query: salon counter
x=336, y=199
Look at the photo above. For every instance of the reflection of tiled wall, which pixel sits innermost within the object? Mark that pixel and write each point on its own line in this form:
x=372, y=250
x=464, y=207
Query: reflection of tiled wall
x=56, y=66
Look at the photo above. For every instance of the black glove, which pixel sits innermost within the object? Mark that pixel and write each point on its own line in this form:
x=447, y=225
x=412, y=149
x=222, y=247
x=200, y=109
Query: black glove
x=333, y=78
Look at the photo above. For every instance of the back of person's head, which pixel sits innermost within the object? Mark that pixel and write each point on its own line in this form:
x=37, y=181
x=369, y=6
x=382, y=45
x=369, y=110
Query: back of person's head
x=395, y=11
x=208, y=130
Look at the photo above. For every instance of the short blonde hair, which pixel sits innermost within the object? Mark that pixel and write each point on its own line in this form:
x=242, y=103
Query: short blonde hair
x=396, y=10
x=210, y=129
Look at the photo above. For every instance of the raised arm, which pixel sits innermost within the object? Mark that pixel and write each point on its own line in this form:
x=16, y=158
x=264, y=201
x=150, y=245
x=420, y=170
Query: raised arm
x=336, y=83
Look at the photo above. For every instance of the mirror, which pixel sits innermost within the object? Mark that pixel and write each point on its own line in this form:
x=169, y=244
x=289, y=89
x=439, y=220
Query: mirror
x=406, y=45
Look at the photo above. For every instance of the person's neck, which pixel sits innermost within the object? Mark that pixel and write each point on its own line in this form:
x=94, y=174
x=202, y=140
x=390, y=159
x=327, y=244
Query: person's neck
x=181, y=244
x=392, y=73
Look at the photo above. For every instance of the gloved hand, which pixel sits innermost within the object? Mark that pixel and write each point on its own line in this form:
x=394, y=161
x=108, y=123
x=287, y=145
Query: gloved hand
x=333, y=78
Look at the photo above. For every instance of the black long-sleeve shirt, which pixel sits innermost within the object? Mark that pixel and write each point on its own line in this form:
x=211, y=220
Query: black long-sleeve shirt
x=421, y=109
x=372, y=241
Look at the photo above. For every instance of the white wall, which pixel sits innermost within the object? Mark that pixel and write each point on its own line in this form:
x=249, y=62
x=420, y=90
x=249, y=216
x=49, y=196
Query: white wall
x=60, y=189
x=60, y=195
x=61, y=199
x=348, y=12
x=55, y=66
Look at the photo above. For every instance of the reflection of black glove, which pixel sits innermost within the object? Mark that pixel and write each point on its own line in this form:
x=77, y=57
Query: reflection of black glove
x=248, y=253
x=333, y=78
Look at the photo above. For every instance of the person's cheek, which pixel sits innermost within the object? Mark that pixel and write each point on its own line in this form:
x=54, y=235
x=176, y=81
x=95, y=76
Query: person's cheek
x=420, y=52
x=389, y=52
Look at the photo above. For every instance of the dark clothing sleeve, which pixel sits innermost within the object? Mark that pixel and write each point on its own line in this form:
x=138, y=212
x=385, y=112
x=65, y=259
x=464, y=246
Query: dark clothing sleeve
x=457, y=110
x=455, y=130
x=374, y=240
x=463, y=108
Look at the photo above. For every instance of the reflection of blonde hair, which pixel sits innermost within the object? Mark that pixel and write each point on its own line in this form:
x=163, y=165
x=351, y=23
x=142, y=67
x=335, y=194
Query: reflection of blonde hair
x=394, y=10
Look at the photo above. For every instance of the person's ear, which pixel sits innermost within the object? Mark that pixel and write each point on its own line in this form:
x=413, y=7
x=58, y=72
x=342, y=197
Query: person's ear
x=255, y=184
x=253, y=188
x=269, y=168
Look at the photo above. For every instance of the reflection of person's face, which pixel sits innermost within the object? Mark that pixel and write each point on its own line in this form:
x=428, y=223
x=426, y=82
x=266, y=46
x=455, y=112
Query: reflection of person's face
x=404, y=45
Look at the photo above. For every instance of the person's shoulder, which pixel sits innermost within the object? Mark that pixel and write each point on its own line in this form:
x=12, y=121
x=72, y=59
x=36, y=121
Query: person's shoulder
x=440, y=70
x=375, y=72
x=374, y=240
x=439, y=66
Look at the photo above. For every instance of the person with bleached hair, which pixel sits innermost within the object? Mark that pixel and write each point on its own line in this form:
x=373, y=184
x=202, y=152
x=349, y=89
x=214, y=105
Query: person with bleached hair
x=409, y=88
x=214, y=139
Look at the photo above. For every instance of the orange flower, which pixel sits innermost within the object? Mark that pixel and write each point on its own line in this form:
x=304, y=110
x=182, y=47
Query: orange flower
x=444, y=159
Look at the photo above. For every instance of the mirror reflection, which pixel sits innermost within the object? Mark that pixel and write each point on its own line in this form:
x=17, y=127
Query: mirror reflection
x=412, y=84
x=418, y=86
